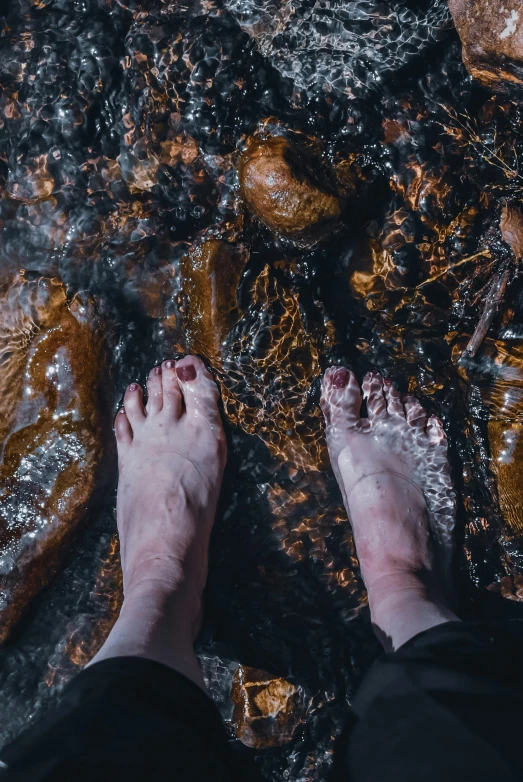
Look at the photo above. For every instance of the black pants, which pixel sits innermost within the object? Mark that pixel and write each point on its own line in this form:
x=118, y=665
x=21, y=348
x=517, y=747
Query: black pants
x=447, y=706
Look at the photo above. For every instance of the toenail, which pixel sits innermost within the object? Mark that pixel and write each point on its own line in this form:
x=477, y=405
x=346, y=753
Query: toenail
x=169, y=364
x=121, y=411
x=157, y=370
x=341, y=378
x=186, y=373
x=133, y=387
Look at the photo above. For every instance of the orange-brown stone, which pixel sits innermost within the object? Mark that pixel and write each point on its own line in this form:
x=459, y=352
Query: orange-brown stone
x=511, y=225
x=288, y=192
x=502, y=397
x=50, y=430
x=267, y=710
x=211, y=274
x=492, y=37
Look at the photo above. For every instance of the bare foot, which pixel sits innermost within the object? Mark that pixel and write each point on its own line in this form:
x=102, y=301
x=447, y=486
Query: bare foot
x=393, y=471
x=171, y=457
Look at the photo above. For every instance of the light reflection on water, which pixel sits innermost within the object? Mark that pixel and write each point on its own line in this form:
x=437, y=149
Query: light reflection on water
x=122, y=132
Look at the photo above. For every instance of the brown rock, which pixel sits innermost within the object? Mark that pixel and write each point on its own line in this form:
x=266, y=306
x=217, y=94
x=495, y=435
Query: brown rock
x=502, y=397
x=511, y=225
x=51, y=433
x=267, y=710
x=211, y=275
x=492, y=37
x=287, y=192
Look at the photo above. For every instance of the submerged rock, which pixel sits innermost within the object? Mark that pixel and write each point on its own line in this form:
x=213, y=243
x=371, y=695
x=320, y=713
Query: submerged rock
x=287, y=192
x=511, y=225
x=492, y=38
x=211, y=273
x=267, y=710
x=50, y=431
x=328, y=45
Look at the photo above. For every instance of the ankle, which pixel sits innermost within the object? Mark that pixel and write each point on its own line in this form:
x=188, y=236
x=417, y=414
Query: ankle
x=165, y=574
x=157, y=600
x=403, y=605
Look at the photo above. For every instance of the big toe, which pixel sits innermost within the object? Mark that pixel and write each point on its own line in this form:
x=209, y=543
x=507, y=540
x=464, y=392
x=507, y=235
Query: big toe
x=199, y=389
x=340, y=398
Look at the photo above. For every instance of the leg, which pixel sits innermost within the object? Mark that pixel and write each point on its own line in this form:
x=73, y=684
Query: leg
x=139, y=711
x=171, y=459
x=446, y=704
x=393, y=472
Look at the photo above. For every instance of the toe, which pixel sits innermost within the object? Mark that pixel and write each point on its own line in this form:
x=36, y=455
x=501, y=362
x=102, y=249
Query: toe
x=172, y=395
x=435, y=430
x=200, y=392
x=154, y=391
x=340, y=397
x=374, y=395
x=133, y=403
x=393, y=399
x=416, y=415
x=122, y=428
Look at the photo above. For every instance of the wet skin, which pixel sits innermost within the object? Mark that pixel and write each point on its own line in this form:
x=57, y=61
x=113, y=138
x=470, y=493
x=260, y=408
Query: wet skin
x=391, y=467
x=171, y=456
x=393, y=472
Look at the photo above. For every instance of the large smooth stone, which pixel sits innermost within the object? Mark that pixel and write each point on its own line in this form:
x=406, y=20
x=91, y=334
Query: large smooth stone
x=51, y=361
x=267, y=710
x=492, y=37
x=288, y=193
x=211, y=273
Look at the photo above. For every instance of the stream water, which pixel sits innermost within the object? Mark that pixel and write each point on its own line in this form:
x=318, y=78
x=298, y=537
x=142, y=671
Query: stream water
x=121, y=130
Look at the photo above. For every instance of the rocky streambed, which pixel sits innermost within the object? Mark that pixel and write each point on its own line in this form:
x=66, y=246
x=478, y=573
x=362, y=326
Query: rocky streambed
x=278, y=188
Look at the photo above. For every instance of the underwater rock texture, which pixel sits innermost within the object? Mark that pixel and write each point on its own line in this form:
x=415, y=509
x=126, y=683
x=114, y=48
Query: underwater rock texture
x=492, y=37
x=122, y=126
x=346, y=47
x=511, y=226
x=51, y=433
x=267, y=710
x=211, y=273
x=288, y=191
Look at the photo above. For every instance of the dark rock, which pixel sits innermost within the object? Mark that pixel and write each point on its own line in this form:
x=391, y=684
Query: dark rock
x=330, y=46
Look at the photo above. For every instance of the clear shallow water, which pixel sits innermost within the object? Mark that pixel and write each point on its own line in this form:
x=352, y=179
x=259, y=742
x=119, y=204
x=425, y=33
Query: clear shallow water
x=121, y=133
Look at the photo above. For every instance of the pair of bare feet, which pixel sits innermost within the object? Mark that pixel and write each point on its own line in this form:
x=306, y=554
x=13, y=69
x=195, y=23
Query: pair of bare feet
x=391, y=467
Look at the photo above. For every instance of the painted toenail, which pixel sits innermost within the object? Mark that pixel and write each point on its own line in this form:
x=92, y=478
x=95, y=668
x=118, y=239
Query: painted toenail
x=341, y=378
x=157, y=370
x=186, y=373
x=121, y=411
x=169, y=364
x=133, y=387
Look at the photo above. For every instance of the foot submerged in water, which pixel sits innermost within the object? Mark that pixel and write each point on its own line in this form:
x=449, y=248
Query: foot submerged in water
x=393, y=471
x=171, y=456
